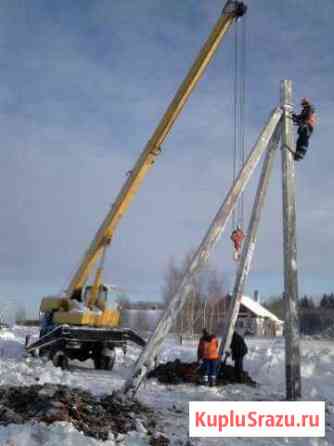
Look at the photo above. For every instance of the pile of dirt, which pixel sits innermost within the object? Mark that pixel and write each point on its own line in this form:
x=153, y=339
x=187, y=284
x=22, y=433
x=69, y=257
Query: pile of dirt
x=177, y=372
x=95, y=417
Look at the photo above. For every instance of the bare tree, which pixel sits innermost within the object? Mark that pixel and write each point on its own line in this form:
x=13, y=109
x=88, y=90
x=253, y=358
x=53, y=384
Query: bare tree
x=215, y=293
x=143, y=321
x=200, y=309
x=123, y=303
x=20, y=315
x=2, y=319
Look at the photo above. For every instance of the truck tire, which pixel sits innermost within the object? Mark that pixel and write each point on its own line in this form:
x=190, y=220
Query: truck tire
x=59, y=359
x=109, y=362
x=97, y=362
x=102, y=362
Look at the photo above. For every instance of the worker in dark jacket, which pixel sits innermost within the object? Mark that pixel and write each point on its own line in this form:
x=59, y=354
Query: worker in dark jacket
x=47, y=324
x=239, y=350
x=305, y=121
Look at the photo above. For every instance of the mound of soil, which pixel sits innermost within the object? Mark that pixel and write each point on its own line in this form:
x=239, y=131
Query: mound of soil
x=177, y=372
x=95, y=417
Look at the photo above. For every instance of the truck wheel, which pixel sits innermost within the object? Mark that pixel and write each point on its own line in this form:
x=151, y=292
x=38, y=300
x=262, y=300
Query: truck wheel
x=43, y=351
x=59, y=359
x=34, y=354
x=97, y=362
x=102, y=362
x=108, y=362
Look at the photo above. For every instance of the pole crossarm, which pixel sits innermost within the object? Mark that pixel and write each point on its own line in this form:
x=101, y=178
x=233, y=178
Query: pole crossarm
x=146, y=360
x=249, y=244
x=291, y=327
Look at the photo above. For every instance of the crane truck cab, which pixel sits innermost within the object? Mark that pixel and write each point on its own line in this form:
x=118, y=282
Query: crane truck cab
x=77, y=311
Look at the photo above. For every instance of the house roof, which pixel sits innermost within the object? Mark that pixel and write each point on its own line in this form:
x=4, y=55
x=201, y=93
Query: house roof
x=258, y=309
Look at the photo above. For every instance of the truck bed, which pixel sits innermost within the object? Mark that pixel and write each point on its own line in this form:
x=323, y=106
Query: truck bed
x=65, y=333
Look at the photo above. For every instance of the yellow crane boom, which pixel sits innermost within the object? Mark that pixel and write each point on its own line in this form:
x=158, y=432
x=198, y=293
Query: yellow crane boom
x=231, y=12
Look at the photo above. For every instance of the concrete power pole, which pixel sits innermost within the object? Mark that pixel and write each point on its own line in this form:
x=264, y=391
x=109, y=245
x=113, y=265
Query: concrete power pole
x=291, y=327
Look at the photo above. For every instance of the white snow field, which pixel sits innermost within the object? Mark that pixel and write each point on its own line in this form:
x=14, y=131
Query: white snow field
x=265, y=363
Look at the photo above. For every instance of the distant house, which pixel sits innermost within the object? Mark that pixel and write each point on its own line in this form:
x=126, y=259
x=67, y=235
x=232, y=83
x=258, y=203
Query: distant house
x=255, y=319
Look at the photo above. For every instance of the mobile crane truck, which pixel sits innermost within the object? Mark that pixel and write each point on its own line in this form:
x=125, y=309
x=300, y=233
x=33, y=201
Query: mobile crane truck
x=81, y=323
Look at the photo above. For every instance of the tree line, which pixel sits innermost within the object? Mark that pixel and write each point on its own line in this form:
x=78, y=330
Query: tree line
x=205, y=305
x=314, y=316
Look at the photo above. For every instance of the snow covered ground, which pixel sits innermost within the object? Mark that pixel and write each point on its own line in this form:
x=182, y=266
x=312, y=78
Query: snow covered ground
x=265, y=363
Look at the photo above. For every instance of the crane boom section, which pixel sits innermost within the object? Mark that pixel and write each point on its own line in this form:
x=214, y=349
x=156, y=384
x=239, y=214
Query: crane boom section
x=231, y=12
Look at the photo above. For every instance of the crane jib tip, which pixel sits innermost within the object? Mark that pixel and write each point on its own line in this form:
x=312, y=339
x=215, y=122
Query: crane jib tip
x=234, y=7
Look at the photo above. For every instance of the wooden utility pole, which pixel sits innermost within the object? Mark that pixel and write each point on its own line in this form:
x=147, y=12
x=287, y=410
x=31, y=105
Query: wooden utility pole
x=146, y=360
x=249, y=245
x=291, y=327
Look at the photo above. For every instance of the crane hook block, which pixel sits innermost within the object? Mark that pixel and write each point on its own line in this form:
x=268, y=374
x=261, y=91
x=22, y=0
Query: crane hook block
x=236, y=8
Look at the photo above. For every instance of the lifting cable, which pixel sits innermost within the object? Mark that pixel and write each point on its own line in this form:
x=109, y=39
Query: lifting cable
x=239, y=112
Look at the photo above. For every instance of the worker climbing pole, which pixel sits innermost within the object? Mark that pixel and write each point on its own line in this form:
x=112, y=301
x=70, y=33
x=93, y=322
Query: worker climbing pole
x=239, y=133
x=284, y=133
x=305, y=121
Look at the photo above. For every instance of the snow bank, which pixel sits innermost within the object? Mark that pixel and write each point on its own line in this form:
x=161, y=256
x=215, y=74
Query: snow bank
x=60, y=434
x=6, y=334
x=30, y=371
x=265, y=362
x=40, y=434
x=16, y=368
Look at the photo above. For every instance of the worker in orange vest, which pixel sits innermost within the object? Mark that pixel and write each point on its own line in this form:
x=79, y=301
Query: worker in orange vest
x=210, y=360
x=237, y=238
x=306, y=121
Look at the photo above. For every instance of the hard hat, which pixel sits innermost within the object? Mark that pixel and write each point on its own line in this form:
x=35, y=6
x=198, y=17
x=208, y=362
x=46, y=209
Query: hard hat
x=305, y=101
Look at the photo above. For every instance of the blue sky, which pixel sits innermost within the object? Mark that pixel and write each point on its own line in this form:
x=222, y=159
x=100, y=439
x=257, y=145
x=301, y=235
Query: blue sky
x=83, y=85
